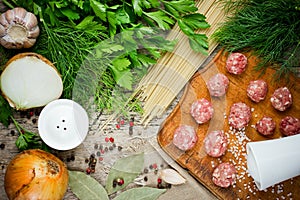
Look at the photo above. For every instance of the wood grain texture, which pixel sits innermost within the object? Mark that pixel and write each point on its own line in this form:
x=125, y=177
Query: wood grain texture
x=201, y=165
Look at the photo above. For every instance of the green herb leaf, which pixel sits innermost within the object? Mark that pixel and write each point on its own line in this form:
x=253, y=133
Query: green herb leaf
x=122, y=74
x=122, y=17
x=127, y=168
x=99, y=9
x=27, y=139
x=162, y=20
x=139, y=5
x=21, y=143
x=112, y=20
x=70, y=14
x=140, y=60
x=52, y=18
x=5, y=111
x=143, y=193
x=85, y=187
x=198, y=43
x=121, y=63
x=89, y=25
x=196, y=21
x=179, y=7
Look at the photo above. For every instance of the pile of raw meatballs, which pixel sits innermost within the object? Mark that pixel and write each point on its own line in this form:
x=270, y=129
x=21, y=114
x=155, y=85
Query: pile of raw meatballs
x=216, y=142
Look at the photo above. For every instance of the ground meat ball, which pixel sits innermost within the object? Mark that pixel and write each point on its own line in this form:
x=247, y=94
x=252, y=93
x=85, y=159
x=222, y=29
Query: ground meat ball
x=215, y=143
x=257, y=90
x=185, y=137
x=289, y=126
x=266, y=126
x=202, y=110
x=239, y=116
x=236, y=63
x=217, y=85
x=281, y=99
x=224, y=175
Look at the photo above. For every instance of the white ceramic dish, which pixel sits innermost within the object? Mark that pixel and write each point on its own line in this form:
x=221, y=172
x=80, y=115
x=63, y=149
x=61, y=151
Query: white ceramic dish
x=63, y=124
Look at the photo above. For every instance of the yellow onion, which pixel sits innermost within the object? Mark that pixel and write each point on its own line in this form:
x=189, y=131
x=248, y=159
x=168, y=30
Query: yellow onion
x=36, y=174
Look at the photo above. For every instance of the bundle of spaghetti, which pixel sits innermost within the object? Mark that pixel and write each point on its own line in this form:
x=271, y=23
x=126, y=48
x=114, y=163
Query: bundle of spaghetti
x=164, y=81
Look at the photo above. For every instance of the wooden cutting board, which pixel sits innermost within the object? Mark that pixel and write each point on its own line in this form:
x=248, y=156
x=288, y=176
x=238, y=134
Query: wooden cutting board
x=201, y=165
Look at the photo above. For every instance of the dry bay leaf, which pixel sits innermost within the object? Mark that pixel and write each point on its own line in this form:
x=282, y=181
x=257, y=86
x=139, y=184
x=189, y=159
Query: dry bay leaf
x=142, y=193
x=126, y=168
x=85, y=187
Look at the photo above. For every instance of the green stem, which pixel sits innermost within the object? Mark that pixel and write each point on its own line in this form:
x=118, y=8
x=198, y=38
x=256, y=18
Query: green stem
x=16, y=125
x=8, y=4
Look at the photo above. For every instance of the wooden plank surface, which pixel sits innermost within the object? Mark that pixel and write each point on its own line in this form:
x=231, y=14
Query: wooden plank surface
x=201, y=165
x=131, y=140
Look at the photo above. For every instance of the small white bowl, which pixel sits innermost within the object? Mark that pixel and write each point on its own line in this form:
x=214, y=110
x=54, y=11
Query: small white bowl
x=63, y=124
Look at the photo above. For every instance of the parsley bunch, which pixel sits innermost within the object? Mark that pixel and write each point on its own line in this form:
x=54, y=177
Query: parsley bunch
x=119, y=39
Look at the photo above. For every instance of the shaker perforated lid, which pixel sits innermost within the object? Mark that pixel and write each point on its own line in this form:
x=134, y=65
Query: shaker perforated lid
x=63, y=124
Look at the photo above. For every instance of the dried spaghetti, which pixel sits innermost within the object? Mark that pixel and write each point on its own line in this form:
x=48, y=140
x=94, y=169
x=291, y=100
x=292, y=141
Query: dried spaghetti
x=166, y=79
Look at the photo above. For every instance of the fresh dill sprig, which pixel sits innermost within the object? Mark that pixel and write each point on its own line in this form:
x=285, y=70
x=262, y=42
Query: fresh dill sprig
x=269, y=28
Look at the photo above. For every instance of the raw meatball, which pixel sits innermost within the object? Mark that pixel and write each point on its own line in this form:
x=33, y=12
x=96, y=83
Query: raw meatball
x=215, y=143
x=224, y=175
x=257, y=90
x=236, y=63
x=289, y=126
x=266, y=126
x=239, y=116
x=202, y=110
x=281, y=99
x=185, y=137
x=217, y=85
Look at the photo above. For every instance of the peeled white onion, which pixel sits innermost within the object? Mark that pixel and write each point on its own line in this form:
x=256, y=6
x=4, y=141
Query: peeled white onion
x=29, y=80
x=36, y=174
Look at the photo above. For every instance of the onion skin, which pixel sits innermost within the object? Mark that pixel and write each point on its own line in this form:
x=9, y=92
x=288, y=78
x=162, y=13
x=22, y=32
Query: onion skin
x=36, y=175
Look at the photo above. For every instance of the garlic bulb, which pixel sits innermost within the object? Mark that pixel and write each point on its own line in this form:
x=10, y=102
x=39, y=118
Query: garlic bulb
x=18, y=29
x=36, y=174
x=30, y=80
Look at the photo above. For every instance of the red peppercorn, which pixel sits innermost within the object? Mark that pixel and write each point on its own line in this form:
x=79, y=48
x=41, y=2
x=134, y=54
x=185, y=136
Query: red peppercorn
x=111, y=139
x=88, y=170
x=154, y=166
x=131, y=123
x=122, y=122
x=118, y=126
x=106, y=139
x=100, y=159
x=120, y=181
x=159, y=180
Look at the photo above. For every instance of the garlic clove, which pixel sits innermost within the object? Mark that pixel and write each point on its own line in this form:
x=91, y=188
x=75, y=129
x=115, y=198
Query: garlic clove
x=28, y=43
x=3, y=21
x=34, y=33
x=172, y=177
x=9, y=16
x=2, y=31
x=19, y=13
x=30, y=21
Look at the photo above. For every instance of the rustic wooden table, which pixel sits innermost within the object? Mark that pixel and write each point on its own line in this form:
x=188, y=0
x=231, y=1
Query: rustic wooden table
x=127, y=141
